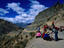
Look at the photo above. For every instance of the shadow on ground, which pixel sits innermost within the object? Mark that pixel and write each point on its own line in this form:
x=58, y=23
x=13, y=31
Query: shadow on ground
x=59, y=39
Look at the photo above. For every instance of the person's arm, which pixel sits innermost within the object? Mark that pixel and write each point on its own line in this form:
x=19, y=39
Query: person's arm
x=61, y=28
x=57, y=28
x=49, y=27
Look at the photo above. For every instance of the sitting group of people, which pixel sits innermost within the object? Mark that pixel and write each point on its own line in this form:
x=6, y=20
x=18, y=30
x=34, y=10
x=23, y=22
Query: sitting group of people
x=46, y=34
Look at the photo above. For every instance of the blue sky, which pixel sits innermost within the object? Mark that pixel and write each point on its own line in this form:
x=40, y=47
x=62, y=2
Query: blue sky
x=17, y=11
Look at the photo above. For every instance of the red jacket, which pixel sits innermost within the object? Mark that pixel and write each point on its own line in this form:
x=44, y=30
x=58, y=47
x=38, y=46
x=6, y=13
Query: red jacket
x=45, y=26
x=56, y=28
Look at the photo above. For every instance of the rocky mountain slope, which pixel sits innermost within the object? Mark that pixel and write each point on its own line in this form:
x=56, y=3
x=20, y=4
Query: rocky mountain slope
x=6, y=27
x=46, y=17
x=50, y=14
x=12, y=36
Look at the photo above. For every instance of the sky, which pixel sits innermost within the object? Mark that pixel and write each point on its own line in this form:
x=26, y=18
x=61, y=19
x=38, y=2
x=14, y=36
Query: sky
x=24, y=11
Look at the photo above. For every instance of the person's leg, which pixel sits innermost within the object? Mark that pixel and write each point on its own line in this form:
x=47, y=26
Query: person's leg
x=44, y=38
x=36, y=36
x=48, y=38
x=56, y=36
x=51, y=36
x=40, y=36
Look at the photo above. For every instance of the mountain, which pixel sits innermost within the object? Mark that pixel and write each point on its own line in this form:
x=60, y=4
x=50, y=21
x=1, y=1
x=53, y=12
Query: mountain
x=6, y=27
x=12, y=36
x=45, y=16
x=23, y=25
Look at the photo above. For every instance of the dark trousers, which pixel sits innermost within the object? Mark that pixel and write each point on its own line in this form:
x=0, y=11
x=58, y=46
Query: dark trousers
x=38, y=36
x=56, y=36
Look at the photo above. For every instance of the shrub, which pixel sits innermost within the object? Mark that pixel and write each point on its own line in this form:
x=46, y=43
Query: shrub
x=26, y=36
x=32, y=34
x=55, y=18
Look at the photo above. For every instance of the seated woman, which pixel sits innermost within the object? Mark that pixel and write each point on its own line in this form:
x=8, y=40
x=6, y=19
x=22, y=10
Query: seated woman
x=38, y=34
x=45, y=35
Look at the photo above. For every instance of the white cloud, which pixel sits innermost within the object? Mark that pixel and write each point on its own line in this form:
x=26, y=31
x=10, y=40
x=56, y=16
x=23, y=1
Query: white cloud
x=3, y=11
x=25, y=17
x=15, y=7
x=35, y=2
x=8, y=19
x=36, y=8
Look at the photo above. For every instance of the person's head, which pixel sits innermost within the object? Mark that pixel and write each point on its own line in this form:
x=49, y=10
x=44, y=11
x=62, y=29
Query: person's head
x=53, y=22
x=45, y=26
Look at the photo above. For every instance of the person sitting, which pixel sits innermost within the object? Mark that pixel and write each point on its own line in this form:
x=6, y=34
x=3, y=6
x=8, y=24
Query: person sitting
x=45, y=35
x=38, y=34
x=45, y=27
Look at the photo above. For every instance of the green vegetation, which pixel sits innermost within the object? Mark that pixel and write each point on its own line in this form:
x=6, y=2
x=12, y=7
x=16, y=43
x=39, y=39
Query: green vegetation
x=32, y=34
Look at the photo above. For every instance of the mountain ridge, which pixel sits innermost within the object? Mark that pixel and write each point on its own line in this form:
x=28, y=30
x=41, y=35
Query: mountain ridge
x=6, y=27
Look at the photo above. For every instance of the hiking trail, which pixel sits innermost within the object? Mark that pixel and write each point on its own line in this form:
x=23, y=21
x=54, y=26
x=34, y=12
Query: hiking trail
x=40, y=43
